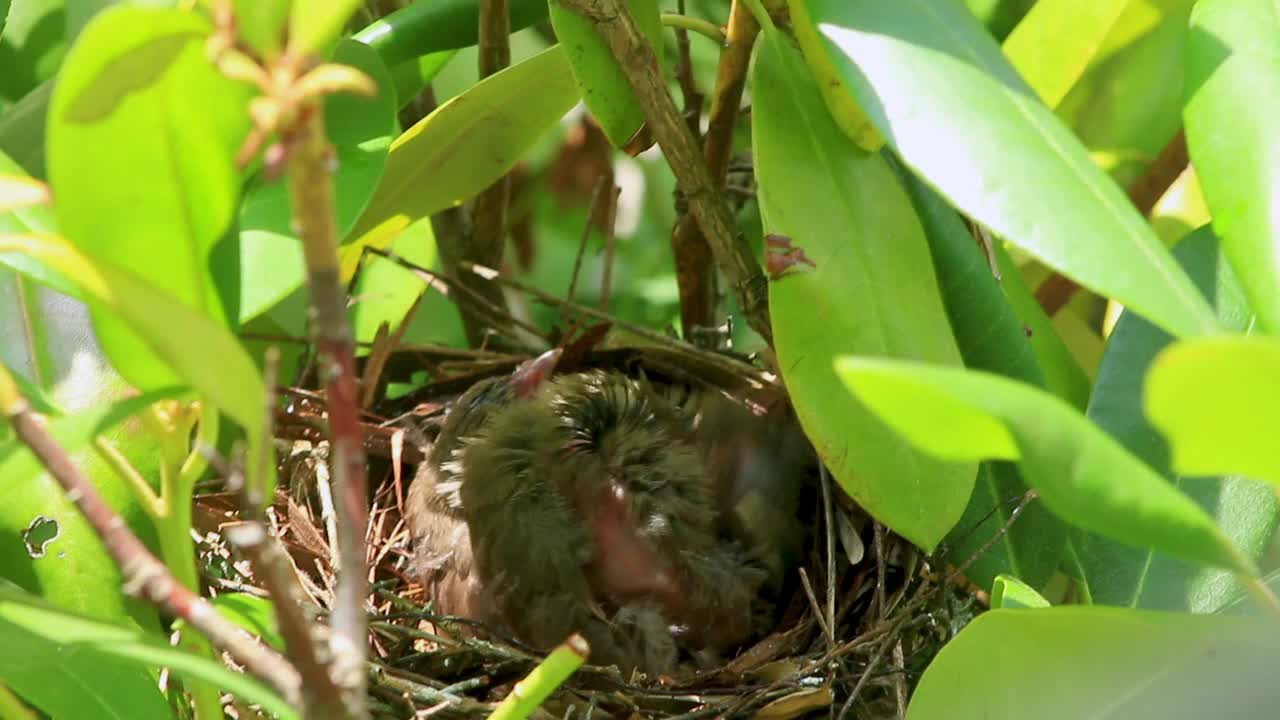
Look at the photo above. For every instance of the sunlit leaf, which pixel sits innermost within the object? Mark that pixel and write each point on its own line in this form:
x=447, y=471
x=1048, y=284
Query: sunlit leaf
x=1057, y=39
x=1010, y=592
x=949, y=103
x=1092, y=662
x=871, y=291
x=467, y=144
x=1233, y=100
x=1082, y=474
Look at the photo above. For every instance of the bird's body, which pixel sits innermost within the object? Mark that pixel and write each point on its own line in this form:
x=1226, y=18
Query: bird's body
x=584, y=503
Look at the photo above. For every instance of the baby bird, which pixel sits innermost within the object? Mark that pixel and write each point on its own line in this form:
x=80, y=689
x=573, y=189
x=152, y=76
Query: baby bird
x=584, y=503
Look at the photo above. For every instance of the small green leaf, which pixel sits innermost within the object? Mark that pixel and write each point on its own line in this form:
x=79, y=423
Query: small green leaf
x=1233, y=100
x=871, y=291
x=1057, y=39
x=261, y=24
x=1092, y=662
x=34, y=43
x=1080, y=473
x=1010, y=592
x=912, y=63
x=467, y=144
x=1215, y=400
x=604, y=86
x=313, y=25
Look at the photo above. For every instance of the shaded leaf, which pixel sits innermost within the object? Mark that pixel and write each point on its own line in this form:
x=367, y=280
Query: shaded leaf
x=871, y=292
x=1246, y=510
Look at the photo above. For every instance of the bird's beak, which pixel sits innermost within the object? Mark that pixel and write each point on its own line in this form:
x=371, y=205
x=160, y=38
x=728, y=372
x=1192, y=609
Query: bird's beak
x=531, y=374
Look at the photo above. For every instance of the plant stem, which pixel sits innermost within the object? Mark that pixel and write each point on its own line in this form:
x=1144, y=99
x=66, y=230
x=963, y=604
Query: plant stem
x=706, y=28
x=538, y=685
x=614, y=23
x=311, y=192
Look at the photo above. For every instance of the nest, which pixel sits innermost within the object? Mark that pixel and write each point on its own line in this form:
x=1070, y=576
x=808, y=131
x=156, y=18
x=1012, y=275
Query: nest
x=858, y=621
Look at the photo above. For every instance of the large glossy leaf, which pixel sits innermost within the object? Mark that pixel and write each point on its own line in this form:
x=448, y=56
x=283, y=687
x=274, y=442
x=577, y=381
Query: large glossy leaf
x=1082, y=474
x=55, y=635
x=938, y=88
x=204, y=354
x=871, y=292
x=1245, y=509
x=1233, y=100
x=467, y=144
x=361, y=130
x=1215, y=400
x=1093, y=662
x=990, y=337
x=1057, y=39
x=142, y=139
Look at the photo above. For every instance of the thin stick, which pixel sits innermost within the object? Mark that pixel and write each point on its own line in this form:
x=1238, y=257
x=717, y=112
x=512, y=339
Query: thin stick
x=596, y=192
x=817, y=610
x=606, y=273
x=829, y=519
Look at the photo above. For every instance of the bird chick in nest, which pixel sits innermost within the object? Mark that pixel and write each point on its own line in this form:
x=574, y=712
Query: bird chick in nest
x=585, y=503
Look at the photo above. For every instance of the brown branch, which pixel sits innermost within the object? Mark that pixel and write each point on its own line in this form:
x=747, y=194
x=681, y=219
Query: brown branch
x=305, y=640
x=489, y=212
x=145, y=577
x=1057, y=290
x=707, y=203
x=695, y=274
x=311, y=192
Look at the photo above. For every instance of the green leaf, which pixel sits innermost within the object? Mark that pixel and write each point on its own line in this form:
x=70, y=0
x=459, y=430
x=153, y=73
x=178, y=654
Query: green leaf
x=1010, y=592
x=872, y=292
x=313, y=25
x=1083, y=475
x=422, y=28
x=1246, y=510
x=22, y=128
x=1057, y=39
x=262, y=24
x=1062, y=374
x=1233, y=98
x=467, y=144
x=143, y=133
x=72, y=682
x=385, y=289
x=204, y=354
x=1128, y=105
x=938, y=88
x=604, y=86
x=360, y=130
x=63, y=634
x=1093, y=662
x=67, y=563
x=32, y=46
x=990, y=337
x=1215, y=400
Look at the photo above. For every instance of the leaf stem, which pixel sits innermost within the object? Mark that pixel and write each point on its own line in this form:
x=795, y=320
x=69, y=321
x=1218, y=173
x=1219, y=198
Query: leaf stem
x=543, y=680
x=706, y=28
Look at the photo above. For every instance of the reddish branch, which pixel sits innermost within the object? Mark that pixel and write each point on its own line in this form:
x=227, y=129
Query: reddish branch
x=310, y=161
